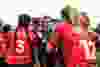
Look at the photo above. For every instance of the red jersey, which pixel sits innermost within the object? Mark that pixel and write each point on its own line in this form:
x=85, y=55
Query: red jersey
x=71, y=39
x=4, y=40
x=21, y=52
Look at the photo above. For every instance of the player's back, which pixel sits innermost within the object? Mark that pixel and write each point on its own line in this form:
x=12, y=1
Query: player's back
x=71, y=43
x=65, y=34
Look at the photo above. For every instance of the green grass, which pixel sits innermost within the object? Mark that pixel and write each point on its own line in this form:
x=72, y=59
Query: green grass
x=98, y=56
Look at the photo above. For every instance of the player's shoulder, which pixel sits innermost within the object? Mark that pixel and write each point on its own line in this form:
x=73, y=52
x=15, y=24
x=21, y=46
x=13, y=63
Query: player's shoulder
x=60, y=27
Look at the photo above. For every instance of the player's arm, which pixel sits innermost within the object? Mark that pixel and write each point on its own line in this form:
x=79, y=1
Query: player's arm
x=93, y=51
x=53, y=40
x=92, y=42
x=85, y=49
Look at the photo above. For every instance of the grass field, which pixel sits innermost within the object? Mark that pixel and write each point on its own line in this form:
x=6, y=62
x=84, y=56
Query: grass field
x=98, y=57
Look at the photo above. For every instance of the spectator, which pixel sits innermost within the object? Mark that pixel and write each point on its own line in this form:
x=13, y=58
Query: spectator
x=88, y=38
x=98, y=36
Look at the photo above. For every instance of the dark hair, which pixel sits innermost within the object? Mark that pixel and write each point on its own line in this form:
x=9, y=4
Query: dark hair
x=1, y=22
x=24, y=19
x=83, y=13
x=98, y=29
x=36, y=20
x=6, y=28
x=65, y=13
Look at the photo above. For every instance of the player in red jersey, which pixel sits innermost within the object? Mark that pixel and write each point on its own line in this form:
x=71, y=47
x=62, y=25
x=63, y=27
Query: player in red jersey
x=89, y=42
x=4, y=40
x=64, y=32
x=20, y=48
x=73, y=52
x=23, y=40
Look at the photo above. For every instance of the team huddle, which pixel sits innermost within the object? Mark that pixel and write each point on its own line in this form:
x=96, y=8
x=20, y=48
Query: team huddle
x=65, y=45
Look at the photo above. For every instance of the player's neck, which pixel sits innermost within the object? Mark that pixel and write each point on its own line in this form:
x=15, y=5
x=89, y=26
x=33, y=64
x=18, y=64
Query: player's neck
x=79, y=28
x=67, y=21
x=76, y=28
